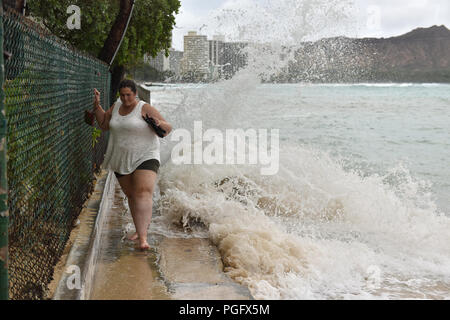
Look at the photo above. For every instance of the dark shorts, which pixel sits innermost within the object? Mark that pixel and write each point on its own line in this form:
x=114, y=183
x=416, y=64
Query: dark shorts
x=152, y=164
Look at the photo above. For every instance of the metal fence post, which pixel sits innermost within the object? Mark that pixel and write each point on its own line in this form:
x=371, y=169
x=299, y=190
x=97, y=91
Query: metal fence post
x=3, y=183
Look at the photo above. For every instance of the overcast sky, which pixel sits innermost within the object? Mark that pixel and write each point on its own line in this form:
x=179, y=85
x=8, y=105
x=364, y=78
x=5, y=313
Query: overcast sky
x=365, y=18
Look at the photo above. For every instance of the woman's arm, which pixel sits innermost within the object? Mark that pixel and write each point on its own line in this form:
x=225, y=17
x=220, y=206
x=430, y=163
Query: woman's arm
x=102, y=117
x=159, y=119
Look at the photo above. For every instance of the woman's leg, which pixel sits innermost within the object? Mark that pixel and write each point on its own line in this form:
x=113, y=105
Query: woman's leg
x=126, y=183
x=141, y=205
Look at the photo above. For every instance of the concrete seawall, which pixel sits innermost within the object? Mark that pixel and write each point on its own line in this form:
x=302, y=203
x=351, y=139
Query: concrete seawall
x=103, y=264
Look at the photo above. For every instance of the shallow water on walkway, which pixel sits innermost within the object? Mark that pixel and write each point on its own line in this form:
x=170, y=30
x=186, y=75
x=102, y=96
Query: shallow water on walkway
x=121, y=266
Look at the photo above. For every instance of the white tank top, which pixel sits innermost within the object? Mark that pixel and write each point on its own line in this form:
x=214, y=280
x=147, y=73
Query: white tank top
x=131, y=141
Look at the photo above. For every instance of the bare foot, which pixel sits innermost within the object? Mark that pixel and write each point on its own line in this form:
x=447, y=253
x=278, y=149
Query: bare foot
x=143, y=245
x=133, y=237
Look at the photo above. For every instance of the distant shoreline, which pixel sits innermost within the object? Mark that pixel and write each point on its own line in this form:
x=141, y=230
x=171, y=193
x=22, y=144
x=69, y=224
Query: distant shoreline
x=419, y=56
x=367, y=83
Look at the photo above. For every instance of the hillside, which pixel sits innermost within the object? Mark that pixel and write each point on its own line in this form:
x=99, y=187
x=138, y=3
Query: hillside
x=422, y=55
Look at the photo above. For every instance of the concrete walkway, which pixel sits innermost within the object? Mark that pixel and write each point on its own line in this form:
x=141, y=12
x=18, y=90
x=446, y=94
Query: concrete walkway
x=113, y=268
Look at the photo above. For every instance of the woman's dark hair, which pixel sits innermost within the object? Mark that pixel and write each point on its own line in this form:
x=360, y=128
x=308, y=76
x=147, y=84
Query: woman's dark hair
x=128, y=84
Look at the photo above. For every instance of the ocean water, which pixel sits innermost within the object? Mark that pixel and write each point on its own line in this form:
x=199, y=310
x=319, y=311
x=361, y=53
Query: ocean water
x=360, y=205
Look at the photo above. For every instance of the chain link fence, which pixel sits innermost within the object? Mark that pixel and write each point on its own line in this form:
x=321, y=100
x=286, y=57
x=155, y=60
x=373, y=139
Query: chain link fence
x=52, y=154
x=3, y=185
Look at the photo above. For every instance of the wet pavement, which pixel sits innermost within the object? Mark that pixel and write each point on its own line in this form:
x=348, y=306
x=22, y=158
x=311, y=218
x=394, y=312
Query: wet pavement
x=174, y=267
x=123, y=271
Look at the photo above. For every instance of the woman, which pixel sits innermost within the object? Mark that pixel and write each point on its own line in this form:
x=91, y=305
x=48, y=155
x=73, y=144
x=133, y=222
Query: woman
x=133, y=152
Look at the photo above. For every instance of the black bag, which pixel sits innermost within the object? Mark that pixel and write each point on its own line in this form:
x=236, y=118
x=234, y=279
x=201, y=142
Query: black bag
x=158, y=130
x=89, y=117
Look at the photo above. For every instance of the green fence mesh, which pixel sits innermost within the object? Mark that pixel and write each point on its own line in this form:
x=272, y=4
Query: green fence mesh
x=51, y=157
x=3, y=183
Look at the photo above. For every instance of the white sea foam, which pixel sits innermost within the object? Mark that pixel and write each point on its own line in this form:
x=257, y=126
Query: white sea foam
x=312, y=231
x=316, y=229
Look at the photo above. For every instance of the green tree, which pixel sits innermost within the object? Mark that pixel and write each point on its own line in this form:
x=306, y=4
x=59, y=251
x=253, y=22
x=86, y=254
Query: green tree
x=149, y=30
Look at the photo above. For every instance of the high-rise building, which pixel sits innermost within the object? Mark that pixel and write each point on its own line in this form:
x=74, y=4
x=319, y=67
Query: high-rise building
x=160, y=62
x=163, y=63
x=216, y=50
x=233, y=57
x=175, y=59
x=205, y=59
x=195, y=62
